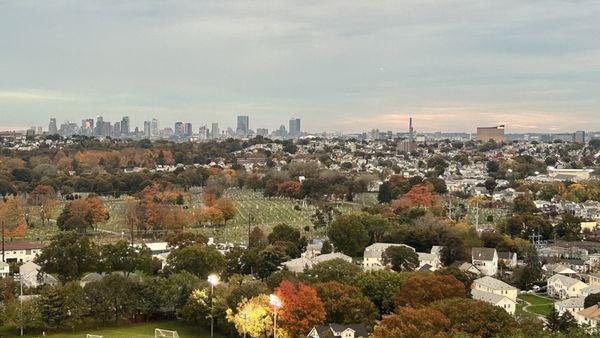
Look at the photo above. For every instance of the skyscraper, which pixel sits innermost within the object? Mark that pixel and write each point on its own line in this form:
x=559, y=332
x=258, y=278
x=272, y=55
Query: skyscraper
x=147, y=129
x=52, y=129
x=579, y=136
x=187, y=130
x=179, y=129
x=99, y=126
x=155, y=127
x=294, y=130
x=125, y=127
x=243, y=125
x=214, y=131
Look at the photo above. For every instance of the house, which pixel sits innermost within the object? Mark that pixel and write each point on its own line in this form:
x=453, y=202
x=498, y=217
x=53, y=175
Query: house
x=31, y=277
x=21, y=252
x=4, y=269
x=563, y=287
x=470, y=268
x=90, y=278
x=486, y=260
x=571, y=305
x=504, y=302
x=589, y=317
x=594, y=278
x=557, y=268
x=590, y=290
x=373, y=255
x=337, y=330
x=431, y=260
x=495, y=286
x=313, y=249
x=298, y=264
x=330, y=256
x=509, y=259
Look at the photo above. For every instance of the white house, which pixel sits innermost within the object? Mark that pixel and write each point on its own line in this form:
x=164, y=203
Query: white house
x=31, y=277
x=338, y=331
x=431, y=261
x=486, y=260
x=572, y=305
x=508, y=258
x=4, y=269
x=495, y=286
x=21, y=252
x=589, y=317
x=373, y=255
x=302, y=263
x=504, y=302
x=563, y=287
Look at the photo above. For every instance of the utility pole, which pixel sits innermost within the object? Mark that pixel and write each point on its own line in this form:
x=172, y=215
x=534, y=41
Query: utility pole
x=477, y=214
x=3, y=255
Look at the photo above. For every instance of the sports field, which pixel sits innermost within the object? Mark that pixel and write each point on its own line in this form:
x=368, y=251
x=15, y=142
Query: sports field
x=141, y=330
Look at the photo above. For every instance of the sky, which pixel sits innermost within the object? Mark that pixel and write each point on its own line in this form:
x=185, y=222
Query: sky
x=338, y=65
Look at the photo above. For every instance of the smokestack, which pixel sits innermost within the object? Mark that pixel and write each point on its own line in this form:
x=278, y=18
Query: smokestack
x=410, y=130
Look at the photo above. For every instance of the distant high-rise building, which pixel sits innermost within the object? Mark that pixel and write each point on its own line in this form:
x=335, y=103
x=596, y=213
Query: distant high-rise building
x=486, y=134
x=179, y=129
x=187, y=130
x=408, y=145
x=147, y=129
x=579, y=136
x=87, y=127
x=125, y=126
x=294, y=130
x=52, y=129
x=262, y=132
x=281, y=132
x=243, y=125
x=100, y=126
x=155, y=127
x=214, y=131
x=117, y=132
x=411, y=131
x=203, y=133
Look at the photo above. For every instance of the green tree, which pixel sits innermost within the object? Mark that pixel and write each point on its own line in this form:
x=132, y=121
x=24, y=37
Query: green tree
x=201, y=260
x=569, y=228
x=531, y=272
x=349, y=235
x=401, y=258
x=284, y=233
x=123, y=257
x=334, y=270
x=69, y=255
x=590, y=300
x=380, y=287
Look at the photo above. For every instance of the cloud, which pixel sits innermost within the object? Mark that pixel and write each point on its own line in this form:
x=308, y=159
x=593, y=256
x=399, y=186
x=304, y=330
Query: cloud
x=34, y=95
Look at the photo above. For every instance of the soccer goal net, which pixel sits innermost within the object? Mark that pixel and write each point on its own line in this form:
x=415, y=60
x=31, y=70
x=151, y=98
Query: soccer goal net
x=93, y=336
x=160, y=333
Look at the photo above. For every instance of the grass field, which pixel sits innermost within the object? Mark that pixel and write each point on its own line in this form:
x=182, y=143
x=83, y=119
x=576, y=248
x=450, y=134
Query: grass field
x=141, y=330
x=539, y=305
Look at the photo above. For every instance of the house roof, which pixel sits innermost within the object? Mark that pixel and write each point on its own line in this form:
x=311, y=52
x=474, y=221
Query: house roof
x=483, y=254
x=591, y=289
x=424, y=256
x=488, y=296
x=330, y=256
x=494, y=283
x=564, y=280
x=376, y=249
x=21, y=246
x=359, y=329
x=592, y=312
x=506, y=255
x=571, y=303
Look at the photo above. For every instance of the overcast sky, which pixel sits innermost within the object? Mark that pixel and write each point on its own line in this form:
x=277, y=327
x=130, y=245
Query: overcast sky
x=338, y=65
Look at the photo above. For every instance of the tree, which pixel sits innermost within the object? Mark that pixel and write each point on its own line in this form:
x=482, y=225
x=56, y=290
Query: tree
x=523, y=204
x=560, y=323
x=475, y=317
x=253, y=317
x=181, y=239
x=44, y=197
x=12, y=214
x=227, y=208
x=283, y=233
x=197, y=309
x=380, y=287
x=349, y=235
x=201, y=260
x=409, y=322
x=569, y=228
x=335, y=270
x=68, y=255
x=421, y=290
x=401, y=258
x=301, y=309
x=531, y=272
x=82, y=215
x=385, y=193
x=257, y=239
x=591, y=300
x=111, y=299
x=346, y=304
x=123, y=257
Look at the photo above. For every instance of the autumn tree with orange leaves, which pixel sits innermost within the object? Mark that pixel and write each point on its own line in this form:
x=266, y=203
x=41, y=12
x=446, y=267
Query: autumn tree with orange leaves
x=82, y=214
x=420, y=290
x=301, y=308
x=420, y=195
x=11, y=214
x=411, y=322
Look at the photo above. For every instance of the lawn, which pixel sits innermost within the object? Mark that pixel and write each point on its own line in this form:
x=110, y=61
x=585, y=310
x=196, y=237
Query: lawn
x=539, y=305
x=141, y=330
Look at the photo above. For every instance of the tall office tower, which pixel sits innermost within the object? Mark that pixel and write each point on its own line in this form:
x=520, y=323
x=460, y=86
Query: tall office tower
x=99, y=126
x=87, y=127
x=52, y=129
x=203, y=133
x=147, y=129
x=579, y=136
x=486, y=134
x=282, y=132
x=179, y=129
x=155, y=127
x=125, y=126
x=294, y=130
x=187, y=130
x=411, y=131
x=243, y=125
x=214, y=131
x=264, y=132
x=117, y=132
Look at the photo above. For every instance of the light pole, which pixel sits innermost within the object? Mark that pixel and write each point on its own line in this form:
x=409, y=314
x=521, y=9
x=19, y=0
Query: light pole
x=276, y=304
x=212, y=280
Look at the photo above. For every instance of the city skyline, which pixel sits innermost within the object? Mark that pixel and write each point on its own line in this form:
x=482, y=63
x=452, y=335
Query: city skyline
x=532, y=66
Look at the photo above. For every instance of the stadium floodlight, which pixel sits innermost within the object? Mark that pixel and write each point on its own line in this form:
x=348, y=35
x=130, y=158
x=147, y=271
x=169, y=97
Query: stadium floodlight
x=275, y=302
x=93, y=336
x=213, y=280
x=161, y=333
